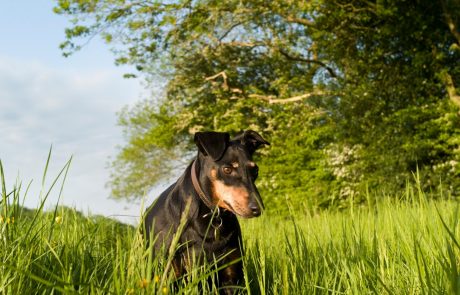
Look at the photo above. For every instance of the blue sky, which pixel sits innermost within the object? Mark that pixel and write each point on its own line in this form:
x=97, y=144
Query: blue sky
x=69, y=103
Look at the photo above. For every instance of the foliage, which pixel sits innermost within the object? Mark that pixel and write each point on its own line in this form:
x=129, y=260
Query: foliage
x=353, y=95
x=395, y=114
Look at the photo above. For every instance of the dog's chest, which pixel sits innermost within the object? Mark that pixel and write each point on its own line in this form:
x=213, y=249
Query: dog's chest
x=211, y=239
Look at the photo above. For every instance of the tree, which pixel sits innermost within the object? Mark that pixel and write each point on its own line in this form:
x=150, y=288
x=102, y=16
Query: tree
x=352, y=93
x=396, y=111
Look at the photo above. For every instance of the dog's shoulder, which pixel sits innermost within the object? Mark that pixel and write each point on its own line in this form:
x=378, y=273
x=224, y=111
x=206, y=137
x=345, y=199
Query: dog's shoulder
x=172, y=202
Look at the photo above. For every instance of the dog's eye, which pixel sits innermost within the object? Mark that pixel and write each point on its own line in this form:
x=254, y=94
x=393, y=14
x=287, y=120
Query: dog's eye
x=227, y=170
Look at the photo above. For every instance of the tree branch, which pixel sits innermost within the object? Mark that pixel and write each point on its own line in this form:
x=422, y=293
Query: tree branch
x=225, y=34
x=269, y=98
x=220, y=74
x=450, y=22
x=272, y=99
x=242, y=44
x=297, y=20
x=451, y=90
x=302, y=59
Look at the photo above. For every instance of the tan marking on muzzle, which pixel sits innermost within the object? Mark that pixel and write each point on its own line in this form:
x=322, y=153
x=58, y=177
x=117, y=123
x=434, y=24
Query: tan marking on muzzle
x=236, y=197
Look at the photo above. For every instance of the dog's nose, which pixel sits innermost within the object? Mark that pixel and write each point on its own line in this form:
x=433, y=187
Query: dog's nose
x=255, y=210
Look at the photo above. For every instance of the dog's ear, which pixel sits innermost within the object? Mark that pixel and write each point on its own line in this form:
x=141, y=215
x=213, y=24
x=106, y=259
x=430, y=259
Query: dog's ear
x=251, y=139
x=212, y=144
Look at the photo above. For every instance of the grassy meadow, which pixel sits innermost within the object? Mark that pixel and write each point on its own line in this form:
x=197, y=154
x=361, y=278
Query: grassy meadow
x=410, y=246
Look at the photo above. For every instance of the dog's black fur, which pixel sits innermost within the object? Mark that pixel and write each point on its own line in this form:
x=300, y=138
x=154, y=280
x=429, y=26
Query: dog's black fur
x=225, y=175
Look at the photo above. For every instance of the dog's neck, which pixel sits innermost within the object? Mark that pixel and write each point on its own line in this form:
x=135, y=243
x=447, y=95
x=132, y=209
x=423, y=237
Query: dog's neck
x=196, y=185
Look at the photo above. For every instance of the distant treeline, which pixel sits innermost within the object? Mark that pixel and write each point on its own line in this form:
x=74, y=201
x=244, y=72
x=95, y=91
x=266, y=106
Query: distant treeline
x=353, y=95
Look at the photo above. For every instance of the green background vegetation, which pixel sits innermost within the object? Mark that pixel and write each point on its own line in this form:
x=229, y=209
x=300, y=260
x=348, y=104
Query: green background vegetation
x=353, y=95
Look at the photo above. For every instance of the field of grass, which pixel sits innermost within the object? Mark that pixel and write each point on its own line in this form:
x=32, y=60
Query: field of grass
x=410, y=246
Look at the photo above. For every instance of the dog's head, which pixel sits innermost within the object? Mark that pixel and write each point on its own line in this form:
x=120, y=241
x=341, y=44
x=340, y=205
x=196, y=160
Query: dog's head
x=231, y=171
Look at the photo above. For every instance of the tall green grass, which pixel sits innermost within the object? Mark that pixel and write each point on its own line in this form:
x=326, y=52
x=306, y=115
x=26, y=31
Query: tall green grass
x=391, y=247
x=386, y=246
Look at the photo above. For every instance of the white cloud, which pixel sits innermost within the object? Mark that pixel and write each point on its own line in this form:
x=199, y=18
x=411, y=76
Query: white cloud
x=75, y=111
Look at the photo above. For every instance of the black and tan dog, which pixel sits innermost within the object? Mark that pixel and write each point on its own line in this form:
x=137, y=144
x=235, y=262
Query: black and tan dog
x=219, y=184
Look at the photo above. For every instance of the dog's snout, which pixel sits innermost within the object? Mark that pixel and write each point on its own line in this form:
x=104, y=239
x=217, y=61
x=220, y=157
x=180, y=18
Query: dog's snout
x=255, y=206
x=255, y=210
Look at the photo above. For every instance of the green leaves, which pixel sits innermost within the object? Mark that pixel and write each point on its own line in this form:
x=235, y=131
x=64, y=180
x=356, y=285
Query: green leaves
x=373, y=78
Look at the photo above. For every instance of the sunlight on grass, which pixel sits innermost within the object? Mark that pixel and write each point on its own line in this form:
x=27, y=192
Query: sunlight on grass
x=384, y=246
